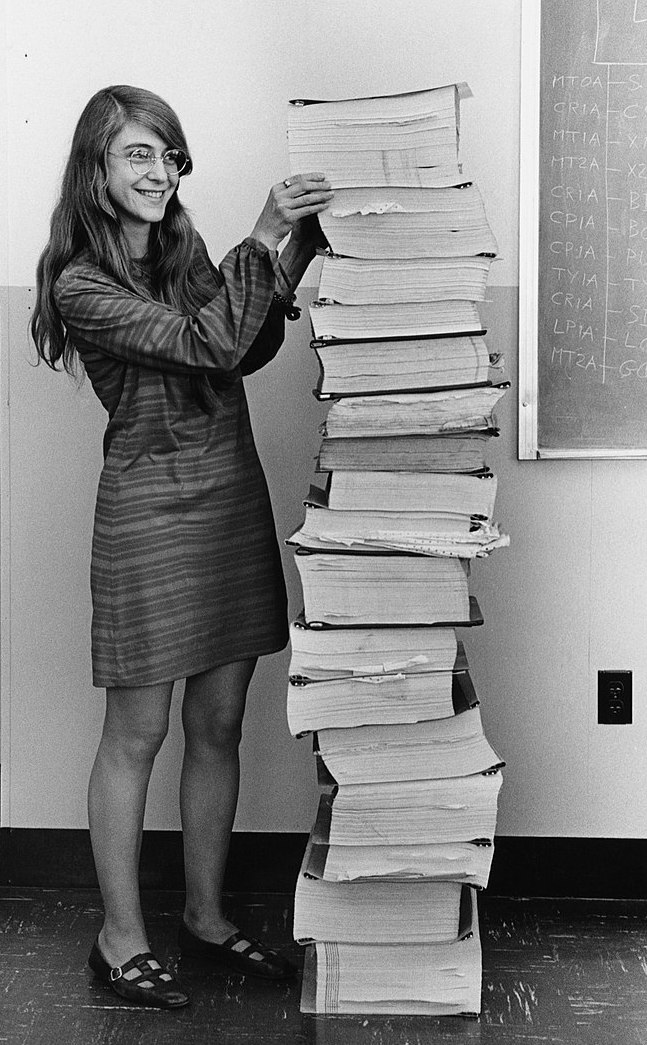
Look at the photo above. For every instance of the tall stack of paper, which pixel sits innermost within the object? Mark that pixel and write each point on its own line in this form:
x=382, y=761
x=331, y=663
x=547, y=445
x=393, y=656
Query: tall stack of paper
x=403, y=839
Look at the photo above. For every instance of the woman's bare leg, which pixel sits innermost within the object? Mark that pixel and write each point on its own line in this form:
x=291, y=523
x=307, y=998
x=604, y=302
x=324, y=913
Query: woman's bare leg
x=212, y=714
x=135, y=725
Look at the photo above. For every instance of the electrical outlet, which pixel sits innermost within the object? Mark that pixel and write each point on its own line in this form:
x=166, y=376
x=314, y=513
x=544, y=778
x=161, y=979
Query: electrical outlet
x=614, y=698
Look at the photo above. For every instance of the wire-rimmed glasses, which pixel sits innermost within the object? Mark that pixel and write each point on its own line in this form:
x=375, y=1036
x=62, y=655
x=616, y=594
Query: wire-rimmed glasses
x=175, y=161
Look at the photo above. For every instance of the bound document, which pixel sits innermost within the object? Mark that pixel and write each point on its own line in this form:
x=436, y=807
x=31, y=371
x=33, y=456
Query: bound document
x=466, y=862
x=387, y=281
x=399, y=319
x=458, y=410
x=402, y=139
x=437, y=493
x=325, y=655
x=377, y=699
x=426, y=979
x=414, y=453
x=381, y=912
x=408, y=223
x=432, y=750
x=458, y=809
x=341, y=588
x=403, y=364
x=420, y=533
x=453, y=533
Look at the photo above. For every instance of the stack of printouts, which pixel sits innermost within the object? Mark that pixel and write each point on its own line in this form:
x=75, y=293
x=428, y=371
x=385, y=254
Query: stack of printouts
x=403, y=839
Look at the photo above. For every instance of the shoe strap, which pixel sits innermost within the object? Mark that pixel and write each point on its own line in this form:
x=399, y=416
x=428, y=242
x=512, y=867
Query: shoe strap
x=141, y=962
x=252, y=945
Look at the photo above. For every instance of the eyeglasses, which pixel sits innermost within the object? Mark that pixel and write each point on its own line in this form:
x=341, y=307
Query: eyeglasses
x=176, y=162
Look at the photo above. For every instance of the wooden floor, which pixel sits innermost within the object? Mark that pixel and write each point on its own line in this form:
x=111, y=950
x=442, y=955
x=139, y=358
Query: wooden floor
x=568, y=972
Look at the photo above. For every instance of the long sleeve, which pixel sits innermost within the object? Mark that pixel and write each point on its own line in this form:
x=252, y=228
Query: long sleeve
x=102, y=316
x=267, y=342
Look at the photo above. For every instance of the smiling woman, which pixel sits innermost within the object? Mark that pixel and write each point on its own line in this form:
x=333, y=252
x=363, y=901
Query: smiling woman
x=142, y=176
x=185, y=574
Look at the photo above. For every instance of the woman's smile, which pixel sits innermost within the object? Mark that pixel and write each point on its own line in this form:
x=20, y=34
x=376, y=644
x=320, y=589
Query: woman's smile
x=140, y=200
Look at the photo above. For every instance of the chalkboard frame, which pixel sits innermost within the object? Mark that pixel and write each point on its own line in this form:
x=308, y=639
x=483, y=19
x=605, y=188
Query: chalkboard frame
x=529, y=173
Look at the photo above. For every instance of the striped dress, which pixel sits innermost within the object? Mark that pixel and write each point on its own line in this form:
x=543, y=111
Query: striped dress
x=186, y=570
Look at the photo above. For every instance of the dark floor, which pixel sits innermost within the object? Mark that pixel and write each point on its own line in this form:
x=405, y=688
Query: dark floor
x=560, y=971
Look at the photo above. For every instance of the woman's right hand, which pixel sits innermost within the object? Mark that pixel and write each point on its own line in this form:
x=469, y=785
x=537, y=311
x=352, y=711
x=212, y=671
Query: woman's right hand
x=289, y=201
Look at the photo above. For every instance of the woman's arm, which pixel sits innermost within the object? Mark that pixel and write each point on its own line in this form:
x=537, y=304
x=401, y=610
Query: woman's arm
x=291, y=203
x=298, y=205
x=267, y=342
x=101, y=315
x=300, y=250
x=291, y=209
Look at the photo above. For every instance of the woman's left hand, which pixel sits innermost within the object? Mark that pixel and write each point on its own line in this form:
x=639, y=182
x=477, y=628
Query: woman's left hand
x=290, y=207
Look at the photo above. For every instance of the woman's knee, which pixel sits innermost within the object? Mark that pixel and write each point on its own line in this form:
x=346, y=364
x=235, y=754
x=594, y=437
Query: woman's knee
x=214, y=705
x=140, y=744
x=218, y=729
x=136, y=722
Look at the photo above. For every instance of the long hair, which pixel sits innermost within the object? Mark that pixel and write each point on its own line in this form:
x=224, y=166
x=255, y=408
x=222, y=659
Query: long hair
x=85, y=219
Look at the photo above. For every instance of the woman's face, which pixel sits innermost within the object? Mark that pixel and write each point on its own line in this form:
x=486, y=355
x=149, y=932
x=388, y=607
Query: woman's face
x=139, y=199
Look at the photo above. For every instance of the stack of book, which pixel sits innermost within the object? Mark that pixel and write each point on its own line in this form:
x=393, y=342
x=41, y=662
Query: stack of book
x=386, y=897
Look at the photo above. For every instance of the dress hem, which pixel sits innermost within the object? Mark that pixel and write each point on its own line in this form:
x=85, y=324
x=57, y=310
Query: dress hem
x=112, y=684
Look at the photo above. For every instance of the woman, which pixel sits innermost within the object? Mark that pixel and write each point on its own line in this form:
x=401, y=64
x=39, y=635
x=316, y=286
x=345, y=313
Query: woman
x=186, y=577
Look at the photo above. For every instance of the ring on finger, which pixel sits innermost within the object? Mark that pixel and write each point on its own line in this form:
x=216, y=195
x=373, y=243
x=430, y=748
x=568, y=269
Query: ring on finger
x=287, y=182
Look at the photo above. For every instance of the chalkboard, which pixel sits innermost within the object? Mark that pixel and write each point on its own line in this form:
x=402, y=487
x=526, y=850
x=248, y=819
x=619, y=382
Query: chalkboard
x=583, y=379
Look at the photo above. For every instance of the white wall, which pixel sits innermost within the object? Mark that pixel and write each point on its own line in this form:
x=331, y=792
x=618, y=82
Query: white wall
x=229, y=68
x=566, y=598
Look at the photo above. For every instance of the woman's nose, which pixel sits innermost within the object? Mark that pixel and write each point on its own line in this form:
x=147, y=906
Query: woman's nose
x=158, y=171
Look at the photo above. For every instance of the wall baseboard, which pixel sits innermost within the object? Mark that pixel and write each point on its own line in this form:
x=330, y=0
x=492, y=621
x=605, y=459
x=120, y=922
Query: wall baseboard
x=62, y=858
x=268, y=862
